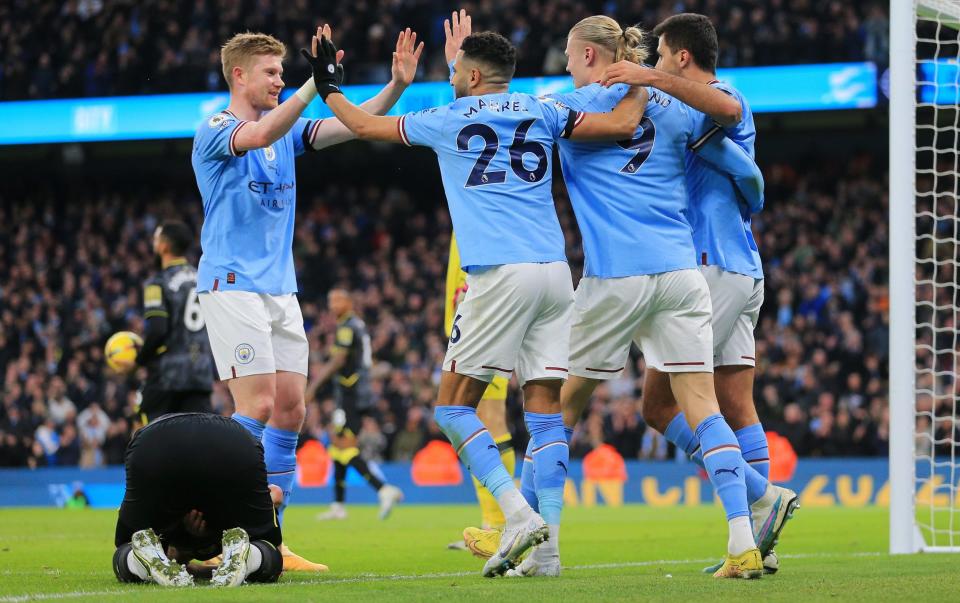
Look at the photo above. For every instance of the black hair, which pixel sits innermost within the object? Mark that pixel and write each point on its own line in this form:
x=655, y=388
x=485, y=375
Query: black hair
x=493, y=50
x=693, y=33
x=178, y=235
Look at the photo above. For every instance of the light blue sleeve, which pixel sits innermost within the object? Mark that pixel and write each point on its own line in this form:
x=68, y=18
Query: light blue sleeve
x=559, y=118
x=303, y=132
x=215, y=138
x=423, y=128
x=730, y=158
x=592, y=98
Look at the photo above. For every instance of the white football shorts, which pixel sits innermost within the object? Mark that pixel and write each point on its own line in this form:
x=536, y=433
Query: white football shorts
x=736, y=299
x=514, y=318
x=667, y=315
x=254, y=333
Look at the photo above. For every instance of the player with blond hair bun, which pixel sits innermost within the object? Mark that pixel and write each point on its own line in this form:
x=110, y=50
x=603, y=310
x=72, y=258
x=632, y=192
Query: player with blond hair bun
x=243, y=158
x=494, y=149
x=641, y=284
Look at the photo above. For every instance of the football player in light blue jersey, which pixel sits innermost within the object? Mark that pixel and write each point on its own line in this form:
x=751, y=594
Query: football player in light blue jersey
x=495, y=150
x=641, y=283
x=720, y=214
x=720, y=211
x=243, y=159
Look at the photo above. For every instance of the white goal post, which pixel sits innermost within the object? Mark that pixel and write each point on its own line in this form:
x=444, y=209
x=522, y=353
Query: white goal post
x=924, y=354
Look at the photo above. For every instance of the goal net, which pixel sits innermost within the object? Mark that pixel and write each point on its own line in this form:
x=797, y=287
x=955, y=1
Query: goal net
x=924, y=253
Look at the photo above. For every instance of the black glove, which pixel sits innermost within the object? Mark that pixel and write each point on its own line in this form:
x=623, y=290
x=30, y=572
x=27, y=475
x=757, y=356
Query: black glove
x=327, y=74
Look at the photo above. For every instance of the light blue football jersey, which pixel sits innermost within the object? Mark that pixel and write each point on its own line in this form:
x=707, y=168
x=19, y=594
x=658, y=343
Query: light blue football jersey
x=630, y=196
x=249, y=201
x=719, y=215
x=495, y=153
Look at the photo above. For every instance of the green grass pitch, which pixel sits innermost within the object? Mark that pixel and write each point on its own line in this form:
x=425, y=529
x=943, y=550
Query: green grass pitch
x=609, y=554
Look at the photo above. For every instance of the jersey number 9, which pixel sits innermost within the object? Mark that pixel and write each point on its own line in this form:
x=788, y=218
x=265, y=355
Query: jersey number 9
x=642, y=144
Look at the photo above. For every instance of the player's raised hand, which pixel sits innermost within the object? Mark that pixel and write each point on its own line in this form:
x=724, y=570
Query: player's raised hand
x=456, y=28
x=625, y=72
x=324, y=60
x=406, y=57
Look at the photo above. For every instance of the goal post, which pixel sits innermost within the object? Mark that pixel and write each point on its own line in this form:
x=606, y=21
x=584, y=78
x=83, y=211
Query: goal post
x=924, y=354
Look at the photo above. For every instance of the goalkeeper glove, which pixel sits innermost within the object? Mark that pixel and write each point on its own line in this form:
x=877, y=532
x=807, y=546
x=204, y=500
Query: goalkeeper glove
x=327, y=74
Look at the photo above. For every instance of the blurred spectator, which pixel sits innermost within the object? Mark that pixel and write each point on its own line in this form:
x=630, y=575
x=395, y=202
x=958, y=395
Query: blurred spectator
x=411, y=438
x=371, y=441
x=107, y=47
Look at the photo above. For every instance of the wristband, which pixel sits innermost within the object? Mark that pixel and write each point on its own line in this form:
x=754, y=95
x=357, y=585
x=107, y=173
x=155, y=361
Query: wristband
x=307, y=92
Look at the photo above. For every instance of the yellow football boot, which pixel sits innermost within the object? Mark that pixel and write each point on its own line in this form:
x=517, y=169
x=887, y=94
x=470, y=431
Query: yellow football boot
x=482, y=543
x=293, y=562
x=748, y=565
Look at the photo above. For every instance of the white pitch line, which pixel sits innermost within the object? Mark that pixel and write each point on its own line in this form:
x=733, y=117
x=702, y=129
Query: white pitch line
x=403, y=577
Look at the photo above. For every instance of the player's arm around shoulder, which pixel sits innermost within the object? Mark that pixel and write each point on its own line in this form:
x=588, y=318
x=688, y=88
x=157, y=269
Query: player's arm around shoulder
x=720, y=106
x=617, y=124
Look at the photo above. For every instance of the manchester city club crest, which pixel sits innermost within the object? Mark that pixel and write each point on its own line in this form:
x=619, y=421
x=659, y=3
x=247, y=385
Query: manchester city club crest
x=269, y=153
x=244, y=353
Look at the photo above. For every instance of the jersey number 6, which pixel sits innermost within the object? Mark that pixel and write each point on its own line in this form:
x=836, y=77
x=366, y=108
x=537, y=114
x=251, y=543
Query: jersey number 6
x=479, y=176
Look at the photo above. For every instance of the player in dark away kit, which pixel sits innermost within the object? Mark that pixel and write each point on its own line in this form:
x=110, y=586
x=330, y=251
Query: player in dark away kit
x=176, y=349
x=349, y=366
x=196, y=487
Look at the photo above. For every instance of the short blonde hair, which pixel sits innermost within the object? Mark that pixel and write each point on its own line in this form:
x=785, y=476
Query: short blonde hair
x=243, y=46
x=624, y=44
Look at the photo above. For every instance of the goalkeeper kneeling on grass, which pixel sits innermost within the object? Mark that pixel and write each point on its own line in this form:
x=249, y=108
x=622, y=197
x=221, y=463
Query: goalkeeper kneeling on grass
x=197, y=488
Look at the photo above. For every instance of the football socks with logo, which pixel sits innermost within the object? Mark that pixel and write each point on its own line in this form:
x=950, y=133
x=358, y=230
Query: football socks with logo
x=551, y=457
x=679, y=434
x=753, y=447
x=725, y=468
x=527, y=487
x=479, y=453
x=280, y=456
x=491, y=515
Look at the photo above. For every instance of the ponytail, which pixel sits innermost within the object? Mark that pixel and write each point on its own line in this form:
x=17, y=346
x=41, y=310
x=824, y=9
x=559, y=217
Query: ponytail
x=604, y=32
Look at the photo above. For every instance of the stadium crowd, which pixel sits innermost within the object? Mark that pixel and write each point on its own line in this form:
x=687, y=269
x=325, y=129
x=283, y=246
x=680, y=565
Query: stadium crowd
x=74, y=48
x=72, y=267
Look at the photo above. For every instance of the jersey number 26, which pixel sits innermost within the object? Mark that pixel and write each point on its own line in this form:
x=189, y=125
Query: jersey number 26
x=479, y=176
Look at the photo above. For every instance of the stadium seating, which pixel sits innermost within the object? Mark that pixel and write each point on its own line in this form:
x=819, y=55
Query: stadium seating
x=72, y=265
x=107, y=47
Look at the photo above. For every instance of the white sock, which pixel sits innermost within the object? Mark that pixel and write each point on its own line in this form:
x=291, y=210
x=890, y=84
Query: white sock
x=550, y=548
x=513, y=505
x=741, y=535
x=768, y=498
x=254, y=559
x=134, y=565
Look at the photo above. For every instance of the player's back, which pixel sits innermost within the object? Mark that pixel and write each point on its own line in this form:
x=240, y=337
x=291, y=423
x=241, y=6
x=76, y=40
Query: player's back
x=495, y=160
x=720, y=218
x=629, y=196
x=187, y=364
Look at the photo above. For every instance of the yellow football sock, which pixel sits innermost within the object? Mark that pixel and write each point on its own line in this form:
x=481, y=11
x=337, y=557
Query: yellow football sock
x=490, y=512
